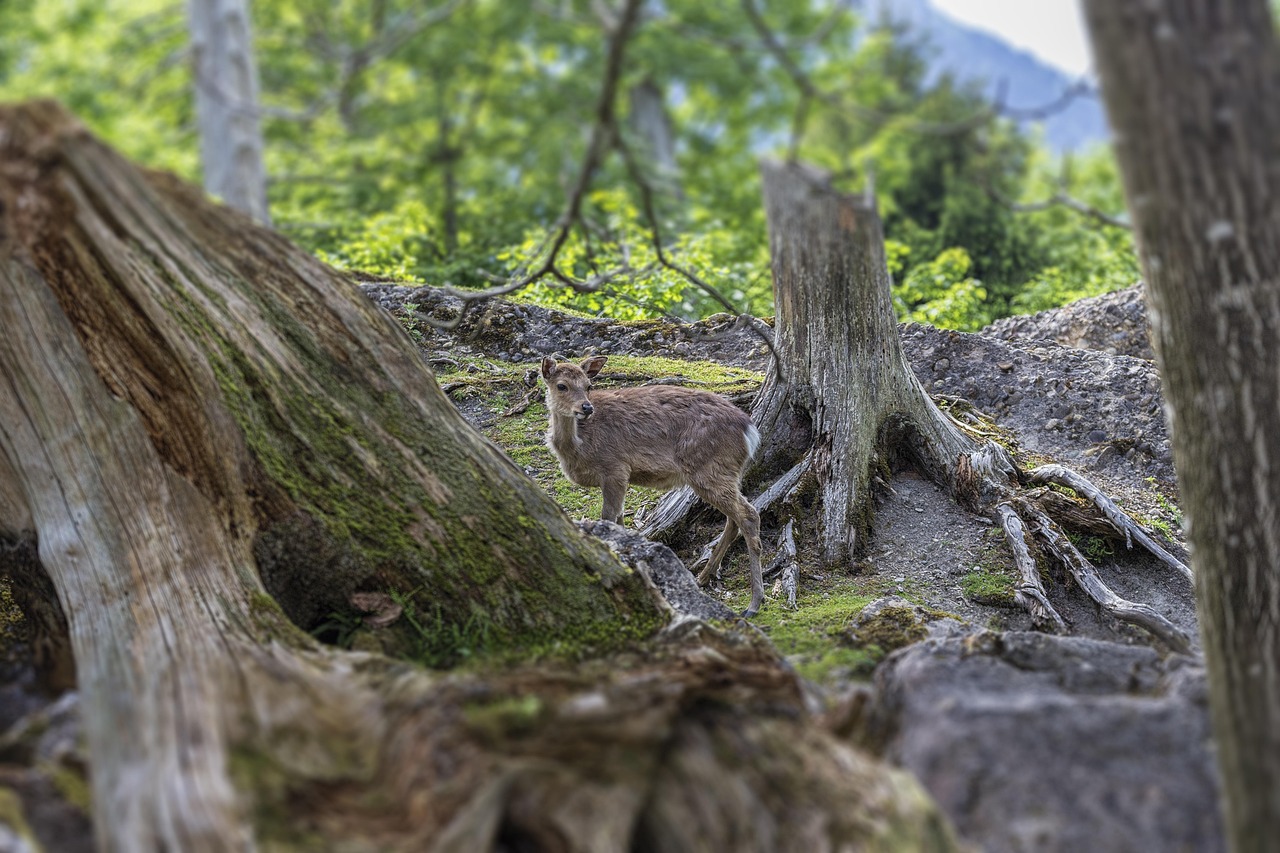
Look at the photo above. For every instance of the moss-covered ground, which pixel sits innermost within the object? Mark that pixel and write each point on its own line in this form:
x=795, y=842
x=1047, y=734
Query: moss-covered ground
x=816, y=637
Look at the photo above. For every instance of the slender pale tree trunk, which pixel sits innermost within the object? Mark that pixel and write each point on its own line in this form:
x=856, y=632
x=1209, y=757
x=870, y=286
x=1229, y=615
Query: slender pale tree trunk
x=1192, y=88
x=227, y=110
x=651, y=122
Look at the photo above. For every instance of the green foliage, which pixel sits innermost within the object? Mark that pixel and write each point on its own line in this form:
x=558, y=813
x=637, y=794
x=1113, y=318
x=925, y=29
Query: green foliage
x=1092, y=546
x=383, y=244
x=1170, y=513
x=440, y=151
x=942, y=293
x=1081, y=257
x=338, y=629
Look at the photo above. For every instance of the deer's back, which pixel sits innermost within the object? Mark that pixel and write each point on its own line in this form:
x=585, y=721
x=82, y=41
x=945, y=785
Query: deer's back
x=659, y=430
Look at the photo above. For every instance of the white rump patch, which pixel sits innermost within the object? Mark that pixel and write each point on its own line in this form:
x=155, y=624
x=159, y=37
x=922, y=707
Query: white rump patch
x=752, y=435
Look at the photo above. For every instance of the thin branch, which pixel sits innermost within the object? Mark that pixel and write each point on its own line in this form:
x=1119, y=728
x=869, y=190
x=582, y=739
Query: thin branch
x=651, y=216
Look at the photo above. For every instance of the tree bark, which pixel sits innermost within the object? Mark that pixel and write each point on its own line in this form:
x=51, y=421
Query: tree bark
x=1192, y=88
x=651, y=122
x=841, y=374
x=227, y=113
x=195, y=414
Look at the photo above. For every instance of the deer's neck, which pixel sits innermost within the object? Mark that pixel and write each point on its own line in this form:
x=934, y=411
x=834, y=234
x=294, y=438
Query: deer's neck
x=563, y=434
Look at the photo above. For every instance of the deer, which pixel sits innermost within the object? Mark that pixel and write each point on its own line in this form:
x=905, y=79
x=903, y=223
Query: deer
x=661, y=436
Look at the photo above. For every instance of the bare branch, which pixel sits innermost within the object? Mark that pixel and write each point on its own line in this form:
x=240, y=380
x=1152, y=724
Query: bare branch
x=603, y=133
x=651, y=216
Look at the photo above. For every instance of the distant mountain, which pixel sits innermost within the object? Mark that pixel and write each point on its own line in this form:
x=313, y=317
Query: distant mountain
x=1028, y=83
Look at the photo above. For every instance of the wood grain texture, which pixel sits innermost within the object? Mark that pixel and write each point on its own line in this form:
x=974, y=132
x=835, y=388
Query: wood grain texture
x=1192, y=89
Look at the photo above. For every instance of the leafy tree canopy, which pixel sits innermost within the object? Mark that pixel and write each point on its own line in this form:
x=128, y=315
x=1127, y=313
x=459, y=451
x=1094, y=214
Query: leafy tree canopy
x=436, y=143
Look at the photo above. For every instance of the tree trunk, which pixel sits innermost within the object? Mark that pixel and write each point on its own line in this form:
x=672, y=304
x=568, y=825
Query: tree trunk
x=194, y=414
x=226, y=90
x=1192, y=88
x=841, y=373
x=652, y=124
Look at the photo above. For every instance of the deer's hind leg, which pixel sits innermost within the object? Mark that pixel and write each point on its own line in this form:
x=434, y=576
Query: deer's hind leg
x=742, y=517
x=722, y=547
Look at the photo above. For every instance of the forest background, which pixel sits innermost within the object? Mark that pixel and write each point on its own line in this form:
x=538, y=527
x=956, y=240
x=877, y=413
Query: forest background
x=437, y=144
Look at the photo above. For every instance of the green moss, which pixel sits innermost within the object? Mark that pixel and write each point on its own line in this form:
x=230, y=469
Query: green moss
x=13, y=818
x=891, y=629
x=12, y=622
x=989, y=586
x=269, y=620
x=392, y=505
x=73, y=787
x=810, y=636
x=273, y=818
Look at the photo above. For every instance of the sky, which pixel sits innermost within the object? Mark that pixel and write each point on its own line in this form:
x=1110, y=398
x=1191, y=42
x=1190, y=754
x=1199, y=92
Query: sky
x=1052, y=30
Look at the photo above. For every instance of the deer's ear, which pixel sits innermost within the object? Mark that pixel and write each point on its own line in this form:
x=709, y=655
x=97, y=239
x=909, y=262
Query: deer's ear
x=593, y=365
x=548, y=365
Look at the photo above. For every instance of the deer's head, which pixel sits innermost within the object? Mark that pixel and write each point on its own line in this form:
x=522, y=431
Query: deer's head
x=567, y=386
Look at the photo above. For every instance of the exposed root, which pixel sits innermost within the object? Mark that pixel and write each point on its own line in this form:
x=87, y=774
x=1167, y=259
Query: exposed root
x=1030, y=591
x=1057, y=544
x=670, y=512
x=1124, y=523
x=785, y=486
x=788, y=580
x=521, y=407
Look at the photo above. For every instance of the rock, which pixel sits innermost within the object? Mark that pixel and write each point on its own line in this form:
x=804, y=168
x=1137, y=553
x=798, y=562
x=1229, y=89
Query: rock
x=662, y=566
x=894, y=622
x=1035, y=742
x=1114, y=323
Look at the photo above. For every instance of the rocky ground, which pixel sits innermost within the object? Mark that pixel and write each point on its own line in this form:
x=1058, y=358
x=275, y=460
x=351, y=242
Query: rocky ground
x=1028, y=741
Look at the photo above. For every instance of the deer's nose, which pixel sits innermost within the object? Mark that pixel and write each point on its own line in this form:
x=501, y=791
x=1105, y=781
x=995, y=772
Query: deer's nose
x=587, y=408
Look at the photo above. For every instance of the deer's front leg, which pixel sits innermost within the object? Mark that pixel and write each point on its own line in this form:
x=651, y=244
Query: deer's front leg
x=615, y=490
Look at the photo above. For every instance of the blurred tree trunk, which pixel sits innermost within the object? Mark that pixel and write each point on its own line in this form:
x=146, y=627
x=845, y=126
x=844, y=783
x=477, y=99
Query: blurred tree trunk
x=227, y=110
x=651, y=122
x=212, y=439
x=841, y=390
x=1192, y=88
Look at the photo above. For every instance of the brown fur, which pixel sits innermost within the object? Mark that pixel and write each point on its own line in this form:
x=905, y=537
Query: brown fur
x=659, y=436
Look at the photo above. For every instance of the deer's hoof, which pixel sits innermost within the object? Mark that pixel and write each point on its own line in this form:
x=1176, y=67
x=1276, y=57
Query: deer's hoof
x=748, y=613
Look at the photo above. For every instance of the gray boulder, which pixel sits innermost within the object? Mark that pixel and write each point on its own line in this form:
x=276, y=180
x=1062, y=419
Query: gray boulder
x=1036, y=742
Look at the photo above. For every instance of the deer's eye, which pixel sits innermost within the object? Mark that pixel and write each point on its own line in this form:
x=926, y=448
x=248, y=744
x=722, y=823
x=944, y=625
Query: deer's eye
x=560, y=386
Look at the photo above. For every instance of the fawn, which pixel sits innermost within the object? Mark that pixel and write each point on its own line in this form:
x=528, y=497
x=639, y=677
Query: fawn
x=659, y=436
